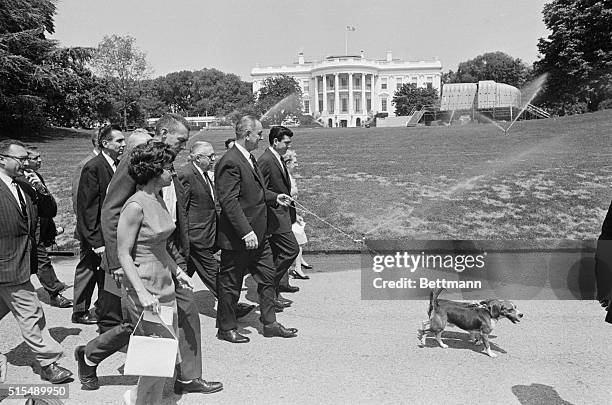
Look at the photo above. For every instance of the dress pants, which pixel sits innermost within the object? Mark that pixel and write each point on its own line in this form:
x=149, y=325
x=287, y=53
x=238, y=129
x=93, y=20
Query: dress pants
x=23, y=302
x=203, y=262
x=234, y=266
x=108, y=310
x=86, y=276
x=46, y=273
x=284, y=250
x=190, y=344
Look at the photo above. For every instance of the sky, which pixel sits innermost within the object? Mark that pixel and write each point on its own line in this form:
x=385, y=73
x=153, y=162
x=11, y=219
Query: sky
x=234, y=36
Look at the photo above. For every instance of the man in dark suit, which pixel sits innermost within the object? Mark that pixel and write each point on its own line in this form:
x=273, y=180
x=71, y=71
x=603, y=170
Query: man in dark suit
x=603, y=265
x=173, y=130
x=46, y=230
x=76, y=175
x=242, y=234
x=282, y=240
x=18, y=261
x=95, y=178
x=202, y=211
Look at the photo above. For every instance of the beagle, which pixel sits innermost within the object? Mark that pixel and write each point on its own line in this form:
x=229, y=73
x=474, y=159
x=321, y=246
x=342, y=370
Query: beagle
x=478, y=319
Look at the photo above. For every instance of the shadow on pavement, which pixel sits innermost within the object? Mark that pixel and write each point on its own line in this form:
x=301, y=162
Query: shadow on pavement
x=459, y=340
x=536, y=394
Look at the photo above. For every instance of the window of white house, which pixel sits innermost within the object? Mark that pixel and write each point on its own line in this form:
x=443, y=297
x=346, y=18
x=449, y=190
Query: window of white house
x=306, y=106
x=383, y=104
x=306, y=86
x=383, y=83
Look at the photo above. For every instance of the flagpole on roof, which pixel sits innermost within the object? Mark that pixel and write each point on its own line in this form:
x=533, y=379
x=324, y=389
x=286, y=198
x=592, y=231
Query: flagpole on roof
x=348, y=28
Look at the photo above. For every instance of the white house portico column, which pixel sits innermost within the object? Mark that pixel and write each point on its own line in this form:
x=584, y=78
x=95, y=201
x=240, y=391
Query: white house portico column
x=324, y=94
x=351, y=109
x=363, y=93
x=336, y=94
x=316, y=95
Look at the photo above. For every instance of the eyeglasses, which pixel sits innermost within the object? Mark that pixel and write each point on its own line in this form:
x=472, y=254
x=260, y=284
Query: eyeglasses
x=211, y=156
x=20, y=159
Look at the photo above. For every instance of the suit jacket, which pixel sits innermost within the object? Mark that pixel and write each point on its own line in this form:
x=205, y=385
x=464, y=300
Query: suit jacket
x=122, y=187
x=17, y=238
x=94, y=180
x=76, y=178
x=243, y=196
x=200, y=206
x=603, y=261
x=279, y=218
x=45, y=209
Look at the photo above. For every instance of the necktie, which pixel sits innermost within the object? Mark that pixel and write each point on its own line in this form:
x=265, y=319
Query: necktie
x=285, y=168
x=254, y=163
x=22, y=203
x=212, y=194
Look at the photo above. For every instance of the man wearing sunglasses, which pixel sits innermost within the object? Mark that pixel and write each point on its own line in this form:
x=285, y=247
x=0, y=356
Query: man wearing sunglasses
x=18, y=261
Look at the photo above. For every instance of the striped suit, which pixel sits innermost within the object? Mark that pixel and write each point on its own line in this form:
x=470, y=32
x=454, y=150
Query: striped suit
x=17, y=260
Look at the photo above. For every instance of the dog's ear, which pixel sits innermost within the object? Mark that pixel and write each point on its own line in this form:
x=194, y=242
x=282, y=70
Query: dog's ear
x=494, y=310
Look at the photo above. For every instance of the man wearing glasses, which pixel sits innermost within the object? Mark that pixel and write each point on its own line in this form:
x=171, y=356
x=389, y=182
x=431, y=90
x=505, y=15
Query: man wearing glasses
x=201, y=204
x=18, y=261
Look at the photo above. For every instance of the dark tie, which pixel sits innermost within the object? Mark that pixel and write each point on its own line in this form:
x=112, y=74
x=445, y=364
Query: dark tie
x=22, y=203
x=209, y=185
x=254, y=163
x=285, y=168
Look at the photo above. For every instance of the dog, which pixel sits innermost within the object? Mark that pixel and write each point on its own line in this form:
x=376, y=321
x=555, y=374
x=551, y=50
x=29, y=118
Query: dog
x=478, y=319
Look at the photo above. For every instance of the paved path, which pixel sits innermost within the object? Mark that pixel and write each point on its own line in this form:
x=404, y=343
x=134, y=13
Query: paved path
x=354, y=351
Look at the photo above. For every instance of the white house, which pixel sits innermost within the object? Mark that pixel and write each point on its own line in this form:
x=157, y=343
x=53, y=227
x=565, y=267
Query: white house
x=342, y=91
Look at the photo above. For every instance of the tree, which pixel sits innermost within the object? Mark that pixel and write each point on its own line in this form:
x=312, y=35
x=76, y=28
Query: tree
x=496, y=66
x=577, y=55
x=23, y=50
x=409, y=96
x=124, y=65
x=278, y=98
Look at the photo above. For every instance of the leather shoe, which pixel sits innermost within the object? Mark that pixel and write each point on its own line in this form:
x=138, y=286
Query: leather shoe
x=60, y=301
x=276, y=329
x=243, y=310
x=288, y=288
x=232, y=336
x=282, y=304
x=277, y=308
x=283, y=299
x=307, y=266
x=294, y=330
x=197, y=385
x=86, y=318
x=55, y=374
x=87, y=373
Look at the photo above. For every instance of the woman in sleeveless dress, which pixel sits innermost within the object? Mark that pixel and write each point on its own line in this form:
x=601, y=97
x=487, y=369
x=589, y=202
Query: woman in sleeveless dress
x=142, y=235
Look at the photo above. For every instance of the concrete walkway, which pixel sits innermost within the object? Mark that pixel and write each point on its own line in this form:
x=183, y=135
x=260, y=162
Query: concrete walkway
x=351, y=351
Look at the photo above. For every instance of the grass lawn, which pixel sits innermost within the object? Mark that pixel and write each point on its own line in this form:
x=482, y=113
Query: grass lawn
x=547, y=179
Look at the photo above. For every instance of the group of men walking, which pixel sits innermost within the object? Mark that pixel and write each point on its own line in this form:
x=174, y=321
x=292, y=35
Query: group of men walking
x=246, y=212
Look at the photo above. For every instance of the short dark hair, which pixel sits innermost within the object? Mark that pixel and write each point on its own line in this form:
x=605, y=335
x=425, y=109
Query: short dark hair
x=279, y=132
x=147, y=161
x=6, y=144
x=106, y=133
x=228, y=141
x=171, y=122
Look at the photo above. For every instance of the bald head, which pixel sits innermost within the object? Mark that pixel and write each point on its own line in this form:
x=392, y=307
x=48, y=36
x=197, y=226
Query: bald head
x=138, y=137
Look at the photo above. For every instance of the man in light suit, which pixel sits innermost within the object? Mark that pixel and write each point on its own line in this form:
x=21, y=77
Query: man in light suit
x=174, y=131
x=201, y=204
x=242, y=235
x=18, y=260
x=95, y=178
x=282, y=240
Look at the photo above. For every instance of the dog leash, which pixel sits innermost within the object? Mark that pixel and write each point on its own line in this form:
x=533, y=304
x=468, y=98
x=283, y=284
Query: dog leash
x=361, y=241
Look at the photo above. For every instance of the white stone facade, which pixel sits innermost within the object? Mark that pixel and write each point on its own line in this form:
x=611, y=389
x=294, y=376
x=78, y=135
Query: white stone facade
x=344, y=91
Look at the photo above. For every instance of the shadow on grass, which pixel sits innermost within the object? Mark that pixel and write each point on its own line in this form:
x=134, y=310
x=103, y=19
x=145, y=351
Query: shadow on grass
x=536, y=394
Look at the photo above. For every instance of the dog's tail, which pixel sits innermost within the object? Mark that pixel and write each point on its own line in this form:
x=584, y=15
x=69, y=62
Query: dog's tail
x=433, y=300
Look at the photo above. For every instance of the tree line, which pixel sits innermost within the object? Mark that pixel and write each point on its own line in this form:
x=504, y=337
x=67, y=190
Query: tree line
x=42, y=83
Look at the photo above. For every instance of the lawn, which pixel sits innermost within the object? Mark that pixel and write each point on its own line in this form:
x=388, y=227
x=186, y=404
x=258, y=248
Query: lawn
x=547, y=179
